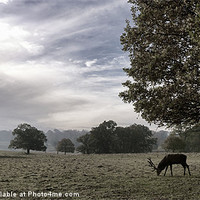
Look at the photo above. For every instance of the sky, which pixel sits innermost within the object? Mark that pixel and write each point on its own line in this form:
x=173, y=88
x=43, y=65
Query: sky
x=61, y=64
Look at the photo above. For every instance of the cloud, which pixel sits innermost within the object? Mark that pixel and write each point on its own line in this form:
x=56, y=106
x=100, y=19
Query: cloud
x=79, y=29
x=29, y=93
x=89, y=63
x=61, y=63
x=5, y=1
x=54, y=94
x=17, y=43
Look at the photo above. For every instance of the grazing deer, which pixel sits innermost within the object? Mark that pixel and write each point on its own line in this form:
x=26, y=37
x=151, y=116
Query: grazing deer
x=169, y=160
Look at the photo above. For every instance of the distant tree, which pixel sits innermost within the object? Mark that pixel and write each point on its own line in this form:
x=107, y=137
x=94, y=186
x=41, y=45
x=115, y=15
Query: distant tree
x=163, y=43
x=141, y=138
x=174, y=143
x=108, y=138
x=102, y=136
x=192, y=138
x=134, y=139
x=65, y=145
x=86, y=147
x=120, y=143
x=28, y=138
x=54, y=136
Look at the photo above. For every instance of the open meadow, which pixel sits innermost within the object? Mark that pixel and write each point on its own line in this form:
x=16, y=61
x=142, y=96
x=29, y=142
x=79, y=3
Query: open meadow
x=77, y=176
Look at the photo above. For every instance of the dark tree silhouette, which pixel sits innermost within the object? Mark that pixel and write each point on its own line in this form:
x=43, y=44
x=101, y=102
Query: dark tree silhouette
x=108, y=138
x=65, y=145
x=28, y=138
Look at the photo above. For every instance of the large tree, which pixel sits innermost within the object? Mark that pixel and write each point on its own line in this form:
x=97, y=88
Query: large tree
x=28, y=138
x=108, y=138
x=134, y=139
x=102, y=137
x=164, y=49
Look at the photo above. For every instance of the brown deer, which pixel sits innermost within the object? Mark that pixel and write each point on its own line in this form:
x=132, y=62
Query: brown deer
x=169, y=160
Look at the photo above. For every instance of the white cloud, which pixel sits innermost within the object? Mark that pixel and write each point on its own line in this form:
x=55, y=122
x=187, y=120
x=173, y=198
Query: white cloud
x=32, y=48
x=5, y=1
x=17, y=43
x=90, y=62
x=9, y=32
x=60, y=69
x=55, y=94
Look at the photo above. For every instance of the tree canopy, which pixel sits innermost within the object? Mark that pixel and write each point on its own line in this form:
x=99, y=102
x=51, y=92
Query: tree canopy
x=102, y=137
x=65, y=145
x=164, y=50
x=108, y=138
x=191, y=137
x=86, y=146
x=28, y=138
x=174, y=143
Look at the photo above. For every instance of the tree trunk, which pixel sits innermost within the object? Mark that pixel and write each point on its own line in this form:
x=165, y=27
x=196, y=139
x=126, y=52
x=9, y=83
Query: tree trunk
x=28, y=151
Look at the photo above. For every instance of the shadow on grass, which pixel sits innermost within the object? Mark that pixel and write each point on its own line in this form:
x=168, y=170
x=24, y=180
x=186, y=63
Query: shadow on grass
x=2, y=157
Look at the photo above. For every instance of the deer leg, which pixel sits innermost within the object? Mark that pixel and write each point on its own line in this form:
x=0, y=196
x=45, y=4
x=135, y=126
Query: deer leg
x=188, y=169
x=166, y=170
x=184, y=166
x=184, y=170
x=171, y=170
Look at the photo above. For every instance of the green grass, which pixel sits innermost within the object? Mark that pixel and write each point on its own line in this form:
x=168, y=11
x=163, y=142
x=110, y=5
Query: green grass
x=117, y=176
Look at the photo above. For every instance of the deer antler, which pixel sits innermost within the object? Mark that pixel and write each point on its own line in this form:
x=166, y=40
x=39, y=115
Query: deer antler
x=151, y=164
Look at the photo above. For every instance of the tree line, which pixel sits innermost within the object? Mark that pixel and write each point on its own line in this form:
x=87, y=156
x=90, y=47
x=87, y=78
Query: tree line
x=106, y=138
x=109, y=138
x=184, y=140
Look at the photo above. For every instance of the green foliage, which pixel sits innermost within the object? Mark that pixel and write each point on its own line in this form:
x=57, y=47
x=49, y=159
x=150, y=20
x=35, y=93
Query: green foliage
x=192, y=139
x=174, y=143
x=102, y=137
x=163, y=45
x=65, y=145
x=134, y=139
x=108, y=138
x=86, y=146
x=28, y=138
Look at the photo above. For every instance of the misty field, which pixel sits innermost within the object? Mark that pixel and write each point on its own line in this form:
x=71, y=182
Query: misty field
x=76, y=176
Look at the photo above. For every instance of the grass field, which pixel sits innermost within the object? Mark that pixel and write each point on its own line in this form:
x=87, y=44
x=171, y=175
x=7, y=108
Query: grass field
x=118, y=176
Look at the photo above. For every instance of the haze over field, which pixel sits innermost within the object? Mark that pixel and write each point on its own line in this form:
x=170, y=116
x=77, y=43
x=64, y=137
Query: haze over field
x=61, y=64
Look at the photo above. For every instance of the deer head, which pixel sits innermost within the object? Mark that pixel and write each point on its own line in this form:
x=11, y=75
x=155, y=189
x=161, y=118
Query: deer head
x=152, y=165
